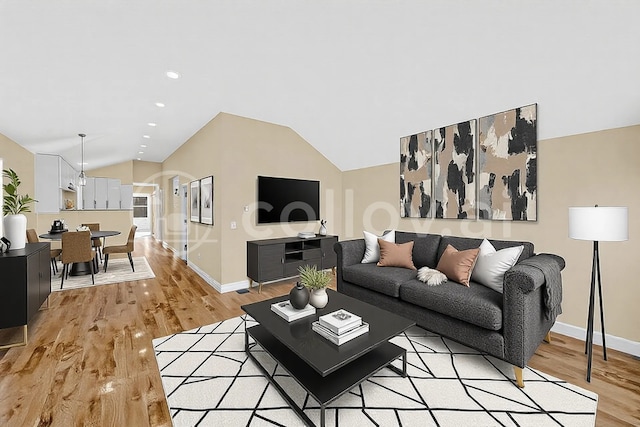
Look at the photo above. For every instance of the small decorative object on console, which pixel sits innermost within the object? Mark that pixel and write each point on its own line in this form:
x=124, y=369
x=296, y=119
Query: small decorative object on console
x=285, y=310
x=299, y=296
x=5, y=245
x=323, y=227
x=306, y=234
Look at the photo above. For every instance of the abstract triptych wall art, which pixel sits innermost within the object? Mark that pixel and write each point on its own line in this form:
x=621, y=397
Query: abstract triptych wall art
x=454, y=171
x=415, y=175
x=507, y=157
x=478, y=169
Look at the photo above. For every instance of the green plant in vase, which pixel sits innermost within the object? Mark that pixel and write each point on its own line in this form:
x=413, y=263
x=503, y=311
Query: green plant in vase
x=316, y=281
x=14, y=222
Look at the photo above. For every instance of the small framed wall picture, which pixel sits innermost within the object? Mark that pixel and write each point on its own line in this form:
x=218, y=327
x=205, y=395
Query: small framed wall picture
x=206, y=200
x=195, y=201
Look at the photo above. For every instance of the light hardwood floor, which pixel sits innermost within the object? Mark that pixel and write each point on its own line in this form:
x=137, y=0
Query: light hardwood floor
x=90, y=362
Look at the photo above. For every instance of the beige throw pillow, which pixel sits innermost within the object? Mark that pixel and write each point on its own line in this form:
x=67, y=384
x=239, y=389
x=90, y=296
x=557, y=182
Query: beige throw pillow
x=457, y=265
x=396, y=255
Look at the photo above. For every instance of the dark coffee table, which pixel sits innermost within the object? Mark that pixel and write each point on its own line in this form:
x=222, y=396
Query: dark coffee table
x=323, y=369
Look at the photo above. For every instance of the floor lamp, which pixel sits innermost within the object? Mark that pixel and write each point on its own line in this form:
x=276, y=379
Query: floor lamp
x=598, y=224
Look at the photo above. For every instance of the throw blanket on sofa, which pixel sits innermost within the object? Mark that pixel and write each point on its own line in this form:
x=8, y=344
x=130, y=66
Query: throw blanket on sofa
x=553, y=282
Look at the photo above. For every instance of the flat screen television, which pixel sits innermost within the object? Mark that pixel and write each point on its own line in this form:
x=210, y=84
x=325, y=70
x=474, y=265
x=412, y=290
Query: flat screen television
x=287, y=200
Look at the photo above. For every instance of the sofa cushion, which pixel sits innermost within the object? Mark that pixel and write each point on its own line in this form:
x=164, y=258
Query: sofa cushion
x=491, y=264
x=475, y=304
x=425, y=247
x=386, y=280
x=372, y=248
x=396, y=254
x=457, y=265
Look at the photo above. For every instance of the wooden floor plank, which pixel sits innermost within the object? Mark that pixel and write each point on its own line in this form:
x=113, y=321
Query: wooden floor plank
x=89, y=360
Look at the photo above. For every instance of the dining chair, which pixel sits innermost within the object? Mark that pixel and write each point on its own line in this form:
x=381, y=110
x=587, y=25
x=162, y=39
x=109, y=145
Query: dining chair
x=96, y=244
x=32, y=237
x=121, y=249
x=76, y=247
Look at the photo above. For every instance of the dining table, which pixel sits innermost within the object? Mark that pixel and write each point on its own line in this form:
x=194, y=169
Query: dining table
x=81, y=268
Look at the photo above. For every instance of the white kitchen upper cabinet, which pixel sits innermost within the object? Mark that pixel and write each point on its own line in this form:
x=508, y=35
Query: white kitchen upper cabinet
x=89, y=194
x=47, y=188
x=101, y=192
x=55, y=188
x=113, y=193
x=68, y=176
x=126, y=196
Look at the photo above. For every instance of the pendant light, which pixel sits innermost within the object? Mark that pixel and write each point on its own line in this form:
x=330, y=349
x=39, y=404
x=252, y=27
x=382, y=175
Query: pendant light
x=82, y=178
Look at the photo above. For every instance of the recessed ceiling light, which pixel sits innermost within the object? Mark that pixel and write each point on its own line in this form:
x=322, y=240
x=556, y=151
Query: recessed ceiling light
x=140, y=152
x=143, y=145
x=159, y=104
x=151, y=124
x=173, y=74
x=146, y=136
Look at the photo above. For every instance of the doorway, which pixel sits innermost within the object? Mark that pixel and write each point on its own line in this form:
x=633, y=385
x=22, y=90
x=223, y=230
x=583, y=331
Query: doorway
x=142, y=213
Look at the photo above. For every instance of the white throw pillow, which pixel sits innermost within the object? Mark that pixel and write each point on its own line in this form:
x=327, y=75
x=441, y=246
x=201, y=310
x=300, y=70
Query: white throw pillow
x=491, y=264
x=372, y=249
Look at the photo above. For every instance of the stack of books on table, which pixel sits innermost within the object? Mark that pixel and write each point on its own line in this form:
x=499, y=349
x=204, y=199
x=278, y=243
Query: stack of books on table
x=285, y=310
x=340, y=326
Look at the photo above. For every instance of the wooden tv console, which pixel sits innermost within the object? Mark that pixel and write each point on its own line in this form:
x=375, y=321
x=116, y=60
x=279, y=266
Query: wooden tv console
x=269, y=260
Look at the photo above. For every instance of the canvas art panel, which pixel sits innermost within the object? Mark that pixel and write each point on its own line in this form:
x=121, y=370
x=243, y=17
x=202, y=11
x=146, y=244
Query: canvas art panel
x=206, y=200
x=194, y=205
x=454, y=171
x=507, y=165
x=415, y=175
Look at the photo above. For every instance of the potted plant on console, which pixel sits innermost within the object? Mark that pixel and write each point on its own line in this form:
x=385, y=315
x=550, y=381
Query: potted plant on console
x=14, y=222
x=316, y=281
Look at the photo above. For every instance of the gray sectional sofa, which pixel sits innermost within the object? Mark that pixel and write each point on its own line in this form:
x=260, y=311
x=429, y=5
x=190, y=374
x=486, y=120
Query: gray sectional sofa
x=509, y=326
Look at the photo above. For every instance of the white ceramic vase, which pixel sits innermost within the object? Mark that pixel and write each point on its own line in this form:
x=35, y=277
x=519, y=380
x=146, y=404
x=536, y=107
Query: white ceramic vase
x=15, y=229
x=319, y=298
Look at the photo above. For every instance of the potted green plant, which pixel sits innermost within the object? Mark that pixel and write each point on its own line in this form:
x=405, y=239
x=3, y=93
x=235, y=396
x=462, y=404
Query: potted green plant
x=14, y=222
x=316, y=281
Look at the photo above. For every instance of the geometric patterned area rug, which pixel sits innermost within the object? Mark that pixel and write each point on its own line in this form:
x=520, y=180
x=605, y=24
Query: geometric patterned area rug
x=119, y=270
x=209, y=381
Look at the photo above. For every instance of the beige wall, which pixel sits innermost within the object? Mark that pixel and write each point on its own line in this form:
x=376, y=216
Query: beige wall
x=235, y=150
x=581, y=170
x=122, y=171
x=146, y=172
x=22, y=162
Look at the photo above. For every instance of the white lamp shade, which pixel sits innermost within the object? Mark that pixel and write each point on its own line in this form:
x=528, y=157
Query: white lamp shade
x=599, y=224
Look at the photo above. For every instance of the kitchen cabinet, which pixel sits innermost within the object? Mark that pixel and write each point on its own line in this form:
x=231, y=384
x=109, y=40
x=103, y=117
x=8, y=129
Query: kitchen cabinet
x=113, y=193
x=55, y=183
x=126, y=196
x=102, y=194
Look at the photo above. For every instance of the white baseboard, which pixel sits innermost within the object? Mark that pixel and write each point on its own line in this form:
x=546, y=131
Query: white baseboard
x=227, y=287
x=621, y=344
x=210, y=280
x=168, y=246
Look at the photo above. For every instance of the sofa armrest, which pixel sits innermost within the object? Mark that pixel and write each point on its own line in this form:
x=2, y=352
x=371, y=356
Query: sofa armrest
x=527, y=277
x=524, y=321
x=349, y=252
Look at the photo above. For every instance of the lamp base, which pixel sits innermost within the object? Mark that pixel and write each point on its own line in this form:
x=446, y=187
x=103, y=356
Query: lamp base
x=588, y=349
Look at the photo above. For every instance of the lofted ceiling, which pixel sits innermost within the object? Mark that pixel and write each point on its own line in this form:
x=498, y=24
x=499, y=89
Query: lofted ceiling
x=350, y=76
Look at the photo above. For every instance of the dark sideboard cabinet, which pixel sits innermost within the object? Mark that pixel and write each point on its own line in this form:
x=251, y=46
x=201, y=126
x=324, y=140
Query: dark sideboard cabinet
x=25, y=284
x=274, y=259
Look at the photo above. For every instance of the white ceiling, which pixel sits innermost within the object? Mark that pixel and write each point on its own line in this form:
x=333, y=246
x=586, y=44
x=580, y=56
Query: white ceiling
x=350, y=76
